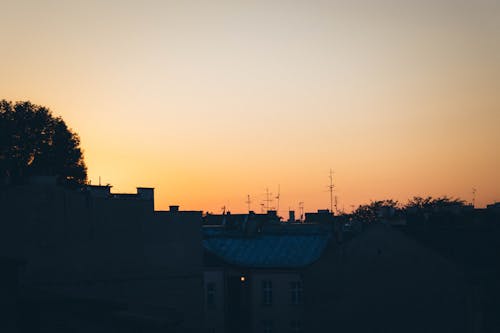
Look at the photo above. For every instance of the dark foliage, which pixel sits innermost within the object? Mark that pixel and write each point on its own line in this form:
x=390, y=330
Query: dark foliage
x=372, y=212
x=430, y=202
x=33, y=142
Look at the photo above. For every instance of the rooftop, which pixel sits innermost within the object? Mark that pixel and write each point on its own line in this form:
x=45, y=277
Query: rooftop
x=286, y=248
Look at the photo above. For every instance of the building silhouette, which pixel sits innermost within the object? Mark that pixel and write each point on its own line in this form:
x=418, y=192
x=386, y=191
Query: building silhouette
x=143, y=267
x=90, y=260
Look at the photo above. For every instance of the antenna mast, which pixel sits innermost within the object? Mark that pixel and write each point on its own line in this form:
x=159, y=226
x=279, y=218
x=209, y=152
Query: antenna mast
x=331, y=186
x=473, y=197
x=248, y=202
x=278, y=200
x=301, y=209
x=268, y=199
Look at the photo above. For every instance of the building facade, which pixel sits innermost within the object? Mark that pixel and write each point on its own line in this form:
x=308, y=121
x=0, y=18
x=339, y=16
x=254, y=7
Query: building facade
x=256, y=282
x=109, y=247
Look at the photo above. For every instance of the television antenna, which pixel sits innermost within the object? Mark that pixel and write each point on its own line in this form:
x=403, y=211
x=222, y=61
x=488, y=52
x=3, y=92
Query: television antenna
x=248, y=202
x=301, y=209
x=331, y=186
x=268, y=199
x=278, y=200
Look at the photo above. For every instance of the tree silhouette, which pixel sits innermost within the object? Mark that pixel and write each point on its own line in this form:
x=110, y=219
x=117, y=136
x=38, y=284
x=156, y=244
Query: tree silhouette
x=35, y=143
x=419, y=203
x=371, y=212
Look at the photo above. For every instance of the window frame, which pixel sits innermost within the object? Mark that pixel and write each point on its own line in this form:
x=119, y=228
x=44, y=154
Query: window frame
x=267, y=292
x=296, y=292
x=210, y=295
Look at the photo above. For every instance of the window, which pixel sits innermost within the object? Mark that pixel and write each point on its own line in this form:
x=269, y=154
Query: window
x=267, y=292
x=210, y=295
x=267, y=326
x=296, y=292
x=296, y=326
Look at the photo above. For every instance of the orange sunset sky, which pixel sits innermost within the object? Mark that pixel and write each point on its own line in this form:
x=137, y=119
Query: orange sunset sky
x=211, y=101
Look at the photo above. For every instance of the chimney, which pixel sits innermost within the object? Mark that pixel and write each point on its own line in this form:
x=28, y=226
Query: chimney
x=174, y=209
x=272, y=213
x=291, y=216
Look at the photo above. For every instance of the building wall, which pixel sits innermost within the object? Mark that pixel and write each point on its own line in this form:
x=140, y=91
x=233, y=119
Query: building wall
x=214, y=311
x=281, y=313
x=9, y=291
x=382, y=281
x=174, y=249
x=99, y=245
x=177, y=234
x=68, y=235
x=239, y=303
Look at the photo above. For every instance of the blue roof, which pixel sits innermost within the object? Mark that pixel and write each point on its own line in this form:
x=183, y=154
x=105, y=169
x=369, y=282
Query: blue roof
x=268, y=250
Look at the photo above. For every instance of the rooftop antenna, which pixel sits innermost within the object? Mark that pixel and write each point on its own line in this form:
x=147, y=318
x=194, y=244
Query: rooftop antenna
x=278, y=200
x=331, y=186
x=473, y=197
x=268, y=199
x=223, y=210
x=248, y=202
x=336, y=205
x=301, y=209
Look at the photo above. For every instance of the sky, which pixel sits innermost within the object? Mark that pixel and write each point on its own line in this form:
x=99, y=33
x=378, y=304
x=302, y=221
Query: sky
x=211, y=101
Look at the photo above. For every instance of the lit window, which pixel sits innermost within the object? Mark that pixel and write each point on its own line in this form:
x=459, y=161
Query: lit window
x=211, y=295
x=296, y=292
x=267, y=292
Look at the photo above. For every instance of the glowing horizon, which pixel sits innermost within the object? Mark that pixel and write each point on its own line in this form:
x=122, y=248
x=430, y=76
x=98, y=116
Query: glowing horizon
x=211, y=102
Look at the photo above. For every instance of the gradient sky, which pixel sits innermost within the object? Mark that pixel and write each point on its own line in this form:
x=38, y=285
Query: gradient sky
x=208, y=101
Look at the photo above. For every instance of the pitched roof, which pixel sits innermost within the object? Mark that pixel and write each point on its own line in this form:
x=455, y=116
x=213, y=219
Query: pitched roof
x=268, y=250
